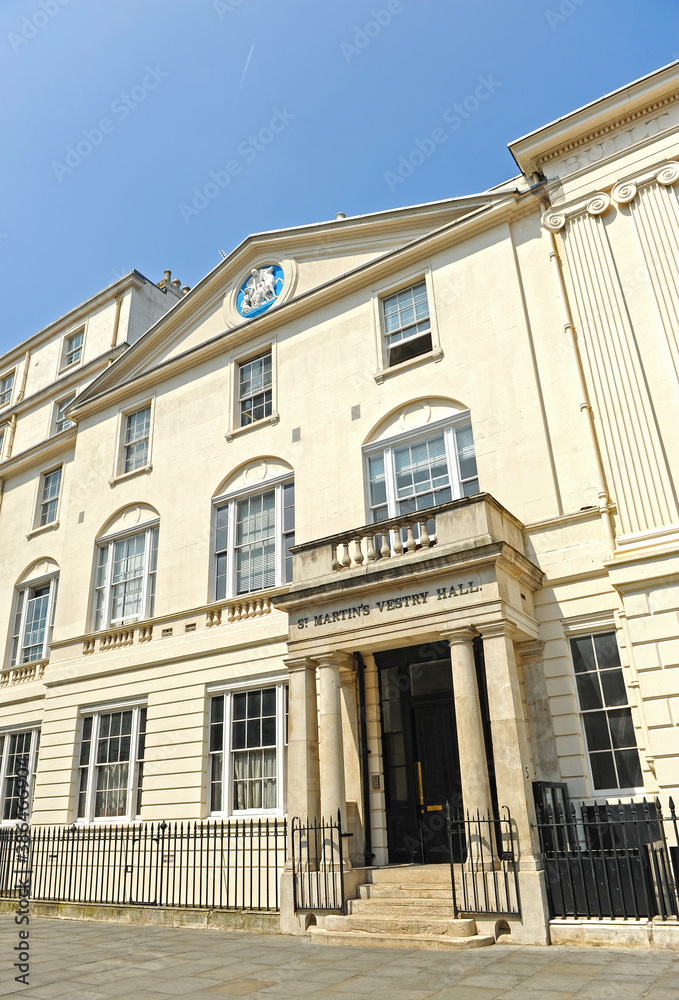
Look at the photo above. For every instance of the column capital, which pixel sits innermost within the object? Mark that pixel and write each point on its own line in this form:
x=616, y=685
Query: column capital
x=531, y=650
x=497, y=629
x=299, y=663
x=462, y=634
x=335, y=660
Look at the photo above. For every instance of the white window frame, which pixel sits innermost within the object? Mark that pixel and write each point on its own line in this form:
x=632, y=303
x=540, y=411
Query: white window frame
x=109, y=542
x=3, y=376
x=227, y=690
x=51, y=581
x=379, y=294
x=40, y=503
x=64, y=401
x=65, y=363
x=386, y=447
x=252, y=352
x=7, y=734
x=96, y=713
x=267, y=352
x=575, y=630
x=123, y=414
x=3, y=431
x=232, y=498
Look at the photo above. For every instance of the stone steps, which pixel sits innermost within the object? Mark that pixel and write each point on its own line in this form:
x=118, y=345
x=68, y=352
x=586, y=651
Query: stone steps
x=405, y=923
x=415, y=874
x=416, y=907
x=403, y=906
x=394, y=891
x=433, y=942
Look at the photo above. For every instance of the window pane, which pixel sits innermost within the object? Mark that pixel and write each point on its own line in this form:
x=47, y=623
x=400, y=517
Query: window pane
x=622, y=729
x=466, y=456
x=607, y=652
x=629, y=769
x=239, y=706
x=269, y=701
x=603, y=770
x=588, y=691
x=583, y=654
x=255, y=542
x=596, y=731
x=613, y=684
x=269, y=732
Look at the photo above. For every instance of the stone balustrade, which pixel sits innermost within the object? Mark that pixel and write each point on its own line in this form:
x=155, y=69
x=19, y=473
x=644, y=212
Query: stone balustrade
x=391, y=539
x=239, y=609
x=22, y=674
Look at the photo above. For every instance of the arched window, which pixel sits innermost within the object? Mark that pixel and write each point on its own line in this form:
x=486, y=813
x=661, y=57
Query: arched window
x=36, y=595
x=125, y=574
x=254, y=527
x=419, y=457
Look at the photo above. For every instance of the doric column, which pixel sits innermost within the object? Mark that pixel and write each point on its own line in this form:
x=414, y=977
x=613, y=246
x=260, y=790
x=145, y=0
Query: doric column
x=508, y=728
x=303, y=772
x=469, y=721
x=543, y=741
x=353, y=779
x=333, y=790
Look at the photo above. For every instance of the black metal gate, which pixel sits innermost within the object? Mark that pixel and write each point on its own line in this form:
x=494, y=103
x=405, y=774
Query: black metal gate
x=610, y=859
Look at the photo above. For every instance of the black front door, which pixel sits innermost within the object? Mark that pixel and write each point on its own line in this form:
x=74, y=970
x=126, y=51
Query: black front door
x=421, y=759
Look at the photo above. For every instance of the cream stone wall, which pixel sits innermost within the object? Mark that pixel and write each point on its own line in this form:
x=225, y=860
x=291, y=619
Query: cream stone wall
x=501, y=350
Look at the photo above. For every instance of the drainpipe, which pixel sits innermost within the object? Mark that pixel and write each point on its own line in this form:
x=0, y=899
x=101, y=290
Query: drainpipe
x=2, y=491
x=116, y=321
x=10, y=436
x=585, y=405
x=22, y=389
x=365, y=773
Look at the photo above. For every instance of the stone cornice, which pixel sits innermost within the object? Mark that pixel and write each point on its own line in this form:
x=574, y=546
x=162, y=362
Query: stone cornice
x=61, y=385
x=584, y=140
x=49, y=448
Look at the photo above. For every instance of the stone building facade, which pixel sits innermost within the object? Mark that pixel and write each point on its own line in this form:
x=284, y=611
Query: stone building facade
x=192, y=576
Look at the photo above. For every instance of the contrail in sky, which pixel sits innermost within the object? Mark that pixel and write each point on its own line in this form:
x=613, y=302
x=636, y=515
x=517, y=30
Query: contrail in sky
x=247, y=63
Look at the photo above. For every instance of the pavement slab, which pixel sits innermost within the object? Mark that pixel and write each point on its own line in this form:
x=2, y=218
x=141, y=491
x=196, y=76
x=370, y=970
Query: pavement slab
x=76, y=960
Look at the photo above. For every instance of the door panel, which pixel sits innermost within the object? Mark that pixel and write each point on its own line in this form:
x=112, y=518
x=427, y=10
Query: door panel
x=439, y=768
x=419, y=743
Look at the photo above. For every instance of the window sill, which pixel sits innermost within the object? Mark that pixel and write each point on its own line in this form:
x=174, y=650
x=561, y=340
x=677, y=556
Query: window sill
x=237, y=431
x=142, y=470
x=69, y=368
x=52, y=526
x=101, y=821
x=435, y=355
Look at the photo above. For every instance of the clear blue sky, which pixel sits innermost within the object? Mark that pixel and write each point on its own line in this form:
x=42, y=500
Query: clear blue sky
x=183, y=84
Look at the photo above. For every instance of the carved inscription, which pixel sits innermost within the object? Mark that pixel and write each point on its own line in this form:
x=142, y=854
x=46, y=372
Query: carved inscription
x=406, y=601
x=609, y=145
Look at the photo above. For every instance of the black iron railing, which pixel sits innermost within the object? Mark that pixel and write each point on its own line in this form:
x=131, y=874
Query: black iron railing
x=221, y=865
x=611, y=860
x=316, y=851
x=483, y=863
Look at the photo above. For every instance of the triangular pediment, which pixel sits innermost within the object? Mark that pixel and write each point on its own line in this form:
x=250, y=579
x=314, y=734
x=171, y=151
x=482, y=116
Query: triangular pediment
x=302, y=260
